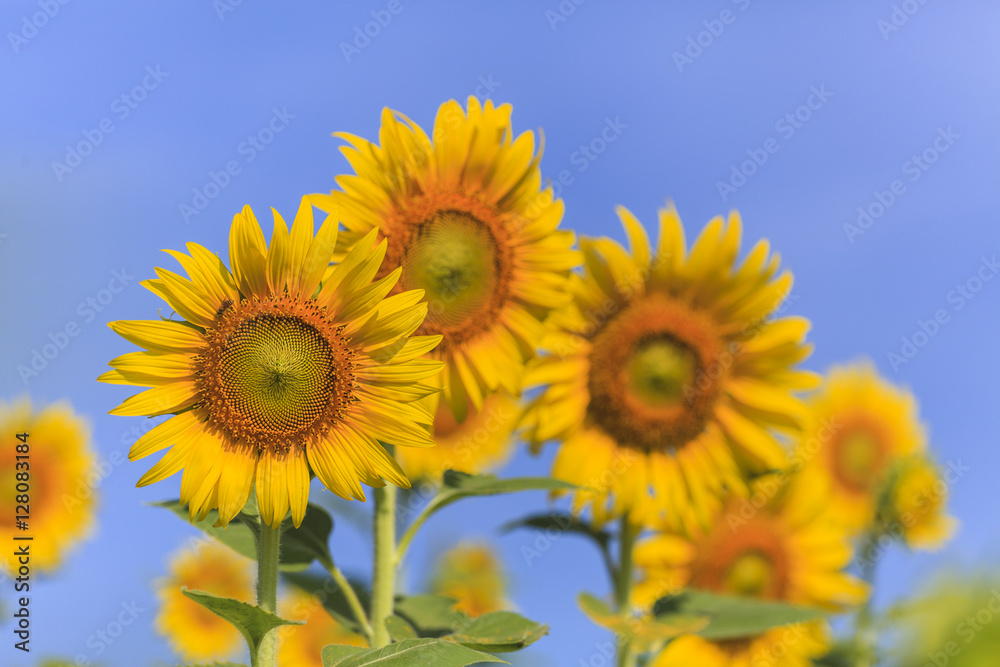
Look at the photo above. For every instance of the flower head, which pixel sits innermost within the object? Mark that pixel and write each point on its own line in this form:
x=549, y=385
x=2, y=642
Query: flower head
x=466, y=219
x=302, y=645
x=670, y=374
x=914, y=503
x=194, y=632
x=473, y=575
x=781, y=547
x=280, y=367
x=56, y=472
x=858, y=426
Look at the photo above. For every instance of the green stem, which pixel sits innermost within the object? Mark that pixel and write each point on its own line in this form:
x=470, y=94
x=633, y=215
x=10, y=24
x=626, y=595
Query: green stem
x=864, y=629
x=268, y=549
x=623, y=588
x=352, y=600
x=411, y=531
x=383, y=583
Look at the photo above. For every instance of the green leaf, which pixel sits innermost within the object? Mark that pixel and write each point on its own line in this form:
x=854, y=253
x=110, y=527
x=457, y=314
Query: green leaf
x=644, y=631
x=237, y=536
x=407, y=653
x=498, y=632
x=732, y=617
x=458, y=485
x=435, y=617
x=331, y=596
x=399, y=628
x=596, y=609
x=252, y=622
x=299, y=546
x=562, y=522
x=430, y=615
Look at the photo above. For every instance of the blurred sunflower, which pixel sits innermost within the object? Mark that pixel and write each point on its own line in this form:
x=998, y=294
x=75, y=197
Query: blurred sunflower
x=473, y=575
x=788, y=550
x=468, y=222
x=668, y=375
x=282, y=366
x=858, y=426
x=60, y=474
x=194, y=632
x=302, y=645
x=915, y=502
x=479, y=444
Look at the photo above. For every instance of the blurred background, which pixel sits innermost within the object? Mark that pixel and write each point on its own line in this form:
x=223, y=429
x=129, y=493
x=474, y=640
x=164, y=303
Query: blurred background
x=861, y=138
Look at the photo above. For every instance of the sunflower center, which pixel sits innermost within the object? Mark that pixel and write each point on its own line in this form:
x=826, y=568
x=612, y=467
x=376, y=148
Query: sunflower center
x=659, y=370
x=652, y=381
x=752, y=561
x=275, y=372
x=858, y=458
x=751, y=575
x=458, y=250
x=453, y=258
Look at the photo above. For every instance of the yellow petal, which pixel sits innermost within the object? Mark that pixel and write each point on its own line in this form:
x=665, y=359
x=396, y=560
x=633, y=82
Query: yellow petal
x=248, y=254
x=164, y=336
x=272, y=488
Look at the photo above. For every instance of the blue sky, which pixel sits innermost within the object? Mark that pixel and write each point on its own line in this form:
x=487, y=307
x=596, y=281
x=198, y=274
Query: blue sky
x=844, y=106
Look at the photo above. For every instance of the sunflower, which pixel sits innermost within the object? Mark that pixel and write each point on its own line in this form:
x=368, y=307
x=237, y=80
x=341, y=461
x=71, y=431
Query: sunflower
x=60, y=477
x=915, y=501
x=194, y=632
x=473, y=575
x=277, y=371
x=858, y=426
x=479, y=444
x=669, y=376
x=783, y=546
x=466, y=219
x=302, y=645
